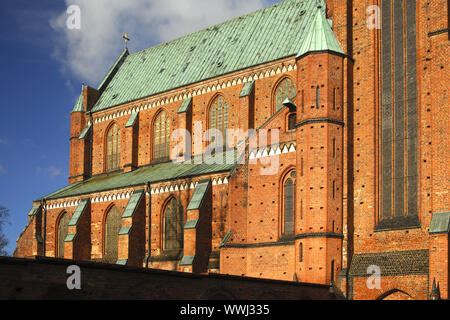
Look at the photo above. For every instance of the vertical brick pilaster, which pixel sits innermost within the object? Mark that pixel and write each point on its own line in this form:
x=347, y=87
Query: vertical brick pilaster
x=320, y=168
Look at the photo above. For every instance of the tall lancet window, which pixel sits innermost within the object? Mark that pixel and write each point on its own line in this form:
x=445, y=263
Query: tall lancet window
x=112, y=226
x=161, y=137
x=113, y=148
x=63, y=226
x=286, y=89
x=218, y=117
x=399, y=115
x=288, y=204
x=173, y=225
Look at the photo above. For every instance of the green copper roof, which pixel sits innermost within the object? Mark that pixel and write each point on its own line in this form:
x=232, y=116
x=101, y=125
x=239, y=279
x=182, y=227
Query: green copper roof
x=440, y=222
x=185, y=105
x=191, y=224
x=122, y=262
x=187, y=260
x=265, y=35
x=84, y=132
x=225, y=239
x=79, y=107
x=320, y=36
x=199, y=194
x=153, y=173
x=78, y=212
x=34, y=210
x=125, y=230
x=132, y=120
x=70, y=237
x=247, y=89
x=117, y=64
x=133, y=203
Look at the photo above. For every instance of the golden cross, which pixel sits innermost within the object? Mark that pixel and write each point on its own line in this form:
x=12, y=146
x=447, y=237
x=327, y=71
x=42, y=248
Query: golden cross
x=125, y=37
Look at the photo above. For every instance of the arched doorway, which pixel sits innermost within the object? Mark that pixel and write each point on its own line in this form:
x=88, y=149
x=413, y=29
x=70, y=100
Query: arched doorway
x=395, y=294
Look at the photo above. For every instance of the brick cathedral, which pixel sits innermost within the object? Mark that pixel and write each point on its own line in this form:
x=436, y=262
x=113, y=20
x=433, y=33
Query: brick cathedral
x=352, y=97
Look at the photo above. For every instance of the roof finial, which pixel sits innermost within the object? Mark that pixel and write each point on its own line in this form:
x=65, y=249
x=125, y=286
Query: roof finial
x=126, y=39
x=435, y=292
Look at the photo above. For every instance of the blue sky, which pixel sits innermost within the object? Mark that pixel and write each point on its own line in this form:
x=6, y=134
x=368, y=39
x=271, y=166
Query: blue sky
x=43, y=64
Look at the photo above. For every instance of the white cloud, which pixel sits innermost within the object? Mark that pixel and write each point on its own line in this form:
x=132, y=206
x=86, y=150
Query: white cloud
x=3, y=141
x=88, y=53
x=51, y=171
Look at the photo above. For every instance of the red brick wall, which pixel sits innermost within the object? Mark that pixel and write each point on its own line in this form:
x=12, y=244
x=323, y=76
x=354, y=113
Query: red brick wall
x=412, y=287
x=250, y=204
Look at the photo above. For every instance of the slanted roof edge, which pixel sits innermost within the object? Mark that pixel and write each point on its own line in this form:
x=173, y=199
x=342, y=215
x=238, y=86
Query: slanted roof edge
x=125, y=53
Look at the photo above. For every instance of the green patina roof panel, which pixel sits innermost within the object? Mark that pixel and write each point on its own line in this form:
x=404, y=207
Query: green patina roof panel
x=225, y=239
x=34, y=210
x=113, y=69
x=132, y=120
x=440, y=222
x=125, y=230
x=133, y=203
x=79, y=107
x=320, y=37
x=78, y=212
x=154, y=173
x=70, y=237
x=247, y=89
x=265, y=35
x=199, y=194
x=191, y=224
x=85, y=132
x=122, y=262
x=187, y=260
x=185, y=105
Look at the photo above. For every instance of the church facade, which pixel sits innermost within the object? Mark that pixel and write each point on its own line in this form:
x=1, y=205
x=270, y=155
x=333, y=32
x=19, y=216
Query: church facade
x=307, y=142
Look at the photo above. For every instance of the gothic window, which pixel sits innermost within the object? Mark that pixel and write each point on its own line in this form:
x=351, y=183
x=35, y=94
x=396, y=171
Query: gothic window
x=288, y=204
x=63, y=227
x=112, y=226
x=399, y=113
x=218, y=117
x=113, y=148
x=286, y=89
x=173, y=225
x=161, y=136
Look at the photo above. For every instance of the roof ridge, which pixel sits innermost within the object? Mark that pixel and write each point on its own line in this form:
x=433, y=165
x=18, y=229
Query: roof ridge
x=265, y=35
x=211, y=27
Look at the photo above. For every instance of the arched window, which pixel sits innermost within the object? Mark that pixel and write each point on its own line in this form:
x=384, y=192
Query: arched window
x=161, y=133
x=286, y=89
x=112, y=226
x=288, y=204
x=113, y=148
x=218, y=116
x=173, y=225
x=63, y=227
